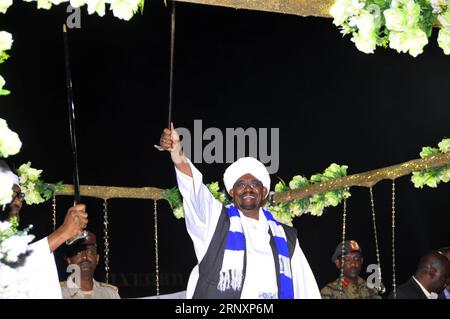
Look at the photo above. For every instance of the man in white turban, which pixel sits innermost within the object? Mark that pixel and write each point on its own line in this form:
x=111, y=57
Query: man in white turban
x=242, y=251
x=39, y=271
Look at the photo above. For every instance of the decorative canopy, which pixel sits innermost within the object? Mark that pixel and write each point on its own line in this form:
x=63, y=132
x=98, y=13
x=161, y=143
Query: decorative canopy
x=317, y=8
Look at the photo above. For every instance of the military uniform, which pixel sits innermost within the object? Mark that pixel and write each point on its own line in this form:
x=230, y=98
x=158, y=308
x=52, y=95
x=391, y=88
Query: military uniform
x=100, y=290
x=349, y=290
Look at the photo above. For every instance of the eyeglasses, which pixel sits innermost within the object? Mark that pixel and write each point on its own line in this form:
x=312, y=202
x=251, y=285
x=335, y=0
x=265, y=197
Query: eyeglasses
x=254, y=184
x=20, y=196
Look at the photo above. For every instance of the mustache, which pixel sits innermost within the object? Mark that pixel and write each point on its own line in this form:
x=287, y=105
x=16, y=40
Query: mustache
x=248, y=193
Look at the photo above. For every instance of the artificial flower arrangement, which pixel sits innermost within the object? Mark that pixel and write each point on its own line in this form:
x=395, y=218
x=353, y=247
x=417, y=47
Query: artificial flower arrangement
x=402, y=25
x=13, y=251
x=14, y=242
x=5, y=45
x=315, y=205
x=433, y=176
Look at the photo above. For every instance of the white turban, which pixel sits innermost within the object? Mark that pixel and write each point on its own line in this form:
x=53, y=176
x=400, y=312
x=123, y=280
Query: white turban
x=246, y=165
x=7, y=176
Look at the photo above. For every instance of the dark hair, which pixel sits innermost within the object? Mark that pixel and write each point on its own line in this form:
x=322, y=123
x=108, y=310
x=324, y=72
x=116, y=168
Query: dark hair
x=434, y=258
x=72, y=250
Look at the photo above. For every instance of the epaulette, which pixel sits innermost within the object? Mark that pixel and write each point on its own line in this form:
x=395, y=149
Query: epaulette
x=104, y=284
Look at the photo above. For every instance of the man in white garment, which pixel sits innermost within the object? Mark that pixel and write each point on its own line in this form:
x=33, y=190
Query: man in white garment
x=39, y=272
x=242, y=251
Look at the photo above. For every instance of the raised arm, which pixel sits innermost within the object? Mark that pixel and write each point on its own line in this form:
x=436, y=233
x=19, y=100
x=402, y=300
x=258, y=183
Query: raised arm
x=201, y=209
x=74, y=223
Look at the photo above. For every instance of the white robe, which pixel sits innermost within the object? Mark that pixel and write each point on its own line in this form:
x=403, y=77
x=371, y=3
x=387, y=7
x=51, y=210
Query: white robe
x=202, y=213
x=37, y=278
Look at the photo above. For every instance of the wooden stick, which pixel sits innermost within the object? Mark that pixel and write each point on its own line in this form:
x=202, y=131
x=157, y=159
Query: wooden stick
x=317, y=8
x=108, y=192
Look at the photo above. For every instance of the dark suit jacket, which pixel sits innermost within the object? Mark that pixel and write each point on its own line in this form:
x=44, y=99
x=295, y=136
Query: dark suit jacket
x=409, y=290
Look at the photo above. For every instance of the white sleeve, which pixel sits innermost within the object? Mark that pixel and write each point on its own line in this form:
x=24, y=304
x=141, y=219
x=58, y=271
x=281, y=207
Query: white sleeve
x=201, y=209
x=305, y=285
x=40, y=272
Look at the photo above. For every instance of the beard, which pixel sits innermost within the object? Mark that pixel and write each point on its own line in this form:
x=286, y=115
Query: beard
x=249, y=201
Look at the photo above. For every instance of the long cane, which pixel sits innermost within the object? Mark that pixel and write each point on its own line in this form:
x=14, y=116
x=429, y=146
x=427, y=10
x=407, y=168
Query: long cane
x=172, y=54
x=73, y=139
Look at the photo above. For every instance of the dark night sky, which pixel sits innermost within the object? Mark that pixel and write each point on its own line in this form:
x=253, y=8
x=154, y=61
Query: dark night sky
x=233, y=68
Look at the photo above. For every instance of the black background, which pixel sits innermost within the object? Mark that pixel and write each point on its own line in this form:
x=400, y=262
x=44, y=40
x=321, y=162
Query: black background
x=233, y=68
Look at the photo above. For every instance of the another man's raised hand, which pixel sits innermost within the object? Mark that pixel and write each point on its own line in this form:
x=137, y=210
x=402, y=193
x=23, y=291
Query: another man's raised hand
x=74, y=223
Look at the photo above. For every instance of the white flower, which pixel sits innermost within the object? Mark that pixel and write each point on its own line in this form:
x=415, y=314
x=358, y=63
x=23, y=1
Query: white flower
x=13, y=285
x=28, y=178
x=10, y=143
x=395, y=19
x=394, y=3
x=4, y=5
x=444, y=33
x=445, y=175
x=365, y=23
x=5, y=40
x=2, y=92
x=33, y=197
x=179, y=212
x=296, y=209
x=411, y=41
x=438, y=5
x=15, y=246
x=341, y=10
x=28, y=172
x=77, y=3
x=97, y=6
x=6, y=192
x=364, y=44
x=444, y=19
x=124, y=9
x=42, y=4
x=2, y=82
x=444, y=145
x=5, y=226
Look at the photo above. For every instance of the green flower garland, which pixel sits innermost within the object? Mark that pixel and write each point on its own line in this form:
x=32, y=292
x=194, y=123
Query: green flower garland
x=433, y=176
x=403, y=25
x=283, y=212
x=35, y=190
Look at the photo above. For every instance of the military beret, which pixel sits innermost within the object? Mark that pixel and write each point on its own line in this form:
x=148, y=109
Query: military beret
x=81, y=244
x=350, y=246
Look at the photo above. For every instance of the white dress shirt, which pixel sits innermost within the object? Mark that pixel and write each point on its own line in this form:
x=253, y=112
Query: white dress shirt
x=429, y=295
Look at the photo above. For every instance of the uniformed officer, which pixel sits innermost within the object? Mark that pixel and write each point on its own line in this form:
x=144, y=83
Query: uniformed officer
x=81, y=283
x=350, y=286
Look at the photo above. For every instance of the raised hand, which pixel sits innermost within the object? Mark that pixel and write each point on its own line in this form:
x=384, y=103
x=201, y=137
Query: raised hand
x=74, y=223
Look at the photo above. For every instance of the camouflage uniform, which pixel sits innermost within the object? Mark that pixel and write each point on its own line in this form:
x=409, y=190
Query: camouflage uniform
x=100, y=290
x=349, y=290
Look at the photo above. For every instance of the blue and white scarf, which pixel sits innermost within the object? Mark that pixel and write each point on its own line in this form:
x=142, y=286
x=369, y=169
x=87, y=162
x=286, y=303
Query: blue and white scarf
x=231, y=274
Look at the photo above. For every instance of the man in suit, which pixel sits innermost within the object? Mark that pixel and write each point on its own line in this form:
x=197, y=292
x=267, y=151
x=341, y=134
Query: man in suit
x=429, y=279
x=445, y=294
